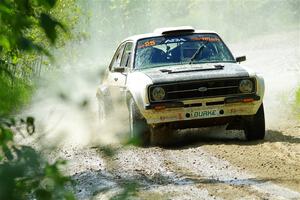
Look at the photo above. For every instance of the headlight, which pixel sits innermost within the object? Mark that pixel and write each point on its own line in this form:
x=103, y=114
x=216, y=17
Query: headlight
x=158, y=93
x=246, y=86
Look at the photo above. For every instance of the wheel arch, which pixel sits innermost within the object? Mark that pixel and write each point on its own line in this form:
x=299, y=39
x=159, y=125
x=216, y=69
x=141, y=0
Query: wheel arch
x=137, y=97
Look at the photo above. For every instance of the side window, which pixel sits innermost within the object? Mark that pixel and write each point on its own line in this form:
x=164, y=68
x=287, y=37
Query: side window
x=117, y=58
x=126, y=58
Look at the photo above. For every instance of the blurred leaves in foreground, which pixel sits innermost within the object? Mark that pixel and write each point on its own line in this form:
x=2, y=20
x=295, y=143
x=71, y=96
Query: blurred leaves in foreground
x=23, y=22
x=25, y=174
x=28, y=30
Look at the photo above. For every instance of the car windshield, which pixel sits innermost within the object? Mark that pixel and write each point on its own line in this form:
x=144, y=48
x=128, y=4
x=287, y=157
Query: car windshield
x=185, y=49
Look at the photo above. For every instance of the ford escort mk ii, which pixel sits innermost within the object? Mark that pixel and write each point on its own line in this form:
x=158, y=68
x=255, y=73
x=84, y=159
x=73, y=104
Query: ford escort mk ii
x=178, y=78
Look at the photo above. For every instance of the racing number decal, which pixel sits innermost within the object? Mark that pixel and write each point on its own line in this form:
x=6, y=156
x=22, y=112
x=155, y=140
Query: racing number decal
x=147, y=44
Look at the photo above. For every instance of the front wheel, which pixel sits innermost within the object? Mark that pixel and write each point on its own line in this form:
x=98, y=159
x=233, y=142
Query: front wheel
x=139, y=132
x=162, y=136
x=254, y=126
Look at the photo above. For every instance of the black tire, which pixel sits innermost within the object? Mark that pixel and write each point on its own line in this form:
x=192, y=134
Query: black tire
x=138, y=127
x=162, y=136
x=254, y=126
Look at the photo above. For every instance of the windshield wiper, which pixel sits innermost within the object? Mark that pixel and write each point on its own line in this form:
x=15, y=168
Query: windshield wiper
x=199, y=50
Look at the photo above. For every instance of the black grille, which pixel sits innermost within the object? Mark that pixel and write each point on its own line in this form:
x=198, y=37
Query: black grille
x=200, y=89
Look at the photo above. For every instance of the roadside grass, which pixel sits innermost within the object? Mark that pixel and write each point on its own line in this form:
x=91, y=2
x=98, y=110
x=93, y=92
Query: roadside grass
x=297, y=103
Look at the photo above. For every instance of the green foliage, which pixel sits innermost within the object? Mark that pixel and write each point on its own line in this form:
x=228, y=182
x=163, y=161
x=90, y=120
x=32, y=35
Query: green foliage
x=15, y=92
x=24, y=174
x=17, y=17
x=297, y=102
x=298, y=97
x=28, y=29
x=49, y=25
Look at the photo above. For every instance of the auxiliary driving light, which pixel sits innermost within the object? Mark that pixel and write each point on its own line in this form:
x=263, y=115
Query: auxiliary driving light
x=246, y=86
x=158, y=93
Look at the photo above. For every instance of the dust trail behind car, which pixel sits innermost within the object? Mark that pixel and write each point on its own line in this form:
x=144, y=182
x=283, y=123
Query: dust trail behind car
x=65, y=109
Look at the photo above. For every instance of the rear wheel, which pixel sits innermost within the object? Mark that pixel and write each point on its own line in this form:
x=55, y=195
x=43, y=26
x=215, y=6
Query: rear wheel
x=254, y=126
x=139, y=131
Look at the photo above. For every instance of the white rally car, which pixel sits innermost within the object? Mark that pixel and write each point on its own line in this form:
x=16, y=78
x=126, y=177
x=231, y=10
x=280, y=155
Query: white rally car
x=178, y=78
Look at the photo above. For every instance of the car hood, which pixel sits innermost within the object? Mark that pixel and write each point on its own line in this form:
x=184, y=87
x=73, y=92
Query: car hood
x=177, y=73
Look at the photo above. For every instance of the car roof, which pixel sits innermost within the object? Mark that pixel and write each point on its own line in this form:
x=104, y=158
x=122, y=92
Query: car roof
x=167, y=30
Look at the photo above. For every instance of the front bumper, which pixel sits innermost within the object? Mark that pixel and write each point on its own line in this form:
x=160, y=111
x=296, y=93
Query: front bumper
x=204, y=109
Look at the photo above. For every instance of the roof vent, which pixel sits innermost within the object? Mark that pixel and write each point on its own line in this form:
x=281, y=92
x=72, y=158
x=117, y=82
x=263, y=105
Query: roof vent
x=174, y=30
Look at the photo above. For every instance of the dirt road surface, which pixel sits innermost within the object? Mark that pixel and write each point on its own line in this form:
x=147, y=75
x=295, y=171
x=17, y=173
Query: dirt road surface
x=204, y=164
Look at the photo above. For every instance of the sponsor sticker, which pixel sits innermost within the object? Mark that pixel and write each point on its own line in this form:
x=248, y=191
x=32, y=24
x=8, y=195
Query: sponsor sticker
x=203, y=114
x=175, y=40
x=237, y=110
x=209, y=39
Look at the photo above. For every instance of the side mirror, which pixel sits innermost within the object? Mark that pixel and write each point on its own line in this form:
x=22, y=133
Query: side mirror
x=119, y=69
x=240, y=59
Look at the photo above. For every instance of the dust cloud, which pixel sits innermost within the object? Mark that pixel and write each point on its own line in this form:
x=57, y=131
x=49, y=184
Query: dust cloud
x=267, y=32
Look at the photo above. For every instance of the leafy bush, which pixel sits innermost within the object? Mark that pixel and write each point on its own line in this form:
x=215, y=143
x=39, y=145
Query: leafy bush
x=28, y=30
x=24, y=173
x=14, y=93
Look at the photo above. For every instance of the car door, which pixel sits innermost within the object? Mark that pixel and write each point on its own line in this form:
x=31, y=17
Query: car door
x=119, y=68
